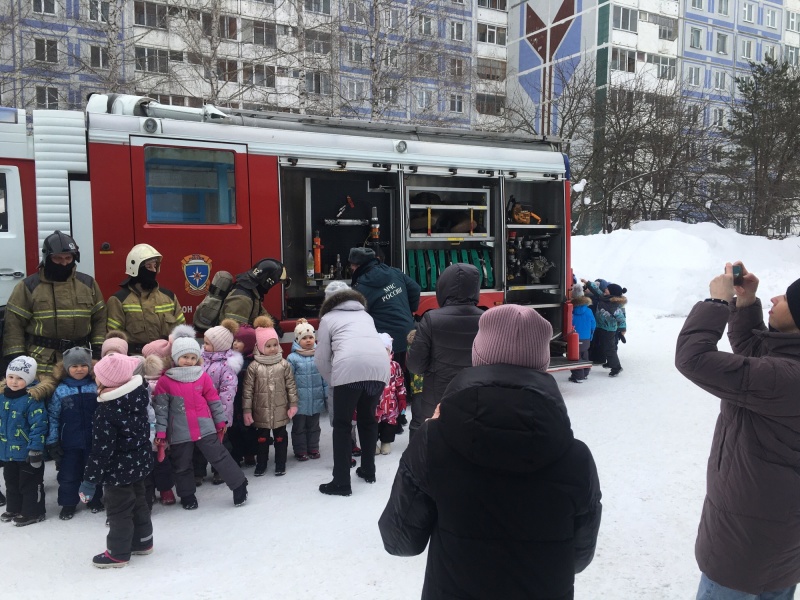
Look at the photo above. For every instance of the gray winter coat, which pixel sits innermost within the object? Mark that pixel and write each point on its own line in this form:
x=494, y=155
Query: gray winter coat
x=442, y=346
x=348, y=346
x=749, y=534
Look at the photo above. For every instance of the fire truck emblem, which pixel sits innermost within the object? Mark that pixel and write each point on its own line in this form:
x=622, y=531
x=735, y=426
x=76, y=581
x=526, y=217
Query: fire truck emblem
x=196, y=270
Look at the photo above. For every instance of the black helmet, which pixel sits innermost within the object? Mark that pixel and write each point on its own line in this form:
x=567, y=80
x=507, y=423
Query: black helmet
x=60, y=243
x=269, y=272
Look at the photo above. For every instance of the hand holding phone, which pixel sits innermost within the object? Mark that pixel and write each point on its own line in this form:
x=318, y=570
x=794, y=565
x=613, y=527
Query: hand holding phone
x=738, y=275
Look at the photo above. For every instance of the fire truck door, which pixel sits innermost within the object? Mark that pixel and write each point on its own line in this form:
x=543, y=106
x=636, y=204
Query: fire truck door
x=191, y=202
x=12, y=237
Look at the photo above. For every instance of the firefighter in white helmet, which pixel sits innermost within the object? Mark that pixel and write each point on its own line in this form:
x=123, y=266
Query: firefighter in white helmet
x=53, y=310
x=142, y=309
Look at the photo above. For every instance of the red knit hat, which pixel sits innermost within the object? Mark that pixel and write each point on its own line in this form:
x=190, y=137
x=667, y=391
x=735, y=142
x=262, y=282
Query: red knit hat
x=115, y=370
x=513, y=335
x=246, y=335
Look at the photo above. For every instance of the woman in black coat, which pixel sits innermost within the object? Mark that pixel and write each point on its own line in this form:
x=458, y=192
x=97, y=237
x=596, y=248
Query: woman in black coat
x=507, y=497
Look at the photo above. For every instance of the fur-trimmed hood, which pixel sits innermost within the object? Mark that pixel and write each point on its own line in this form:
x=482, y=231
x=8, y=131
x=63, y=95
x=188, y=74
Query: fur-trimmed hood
x=581, y=301
x=335, y=301
x=618, y=300
x=232, y=358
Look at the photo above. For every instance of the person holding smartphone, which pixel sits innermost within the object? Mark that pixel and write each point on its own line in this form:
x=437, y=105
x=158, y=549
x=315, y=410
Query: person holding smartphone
x=747, y=543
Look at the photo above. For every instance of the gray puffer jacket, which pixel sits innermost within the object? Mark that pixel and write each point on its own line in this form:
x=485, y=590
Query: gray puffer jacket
x=749, y=534
x=349, y=348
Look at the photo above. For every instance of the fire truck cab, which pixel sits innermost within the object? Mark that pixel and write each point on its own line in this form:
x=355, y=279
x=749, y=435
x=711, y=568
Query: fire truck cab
x=214, y=189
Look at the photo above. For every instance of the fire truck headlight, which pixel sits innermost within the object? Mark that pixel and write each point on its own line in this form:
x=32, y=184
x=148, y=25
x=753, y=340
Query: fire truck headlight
x=150, y=125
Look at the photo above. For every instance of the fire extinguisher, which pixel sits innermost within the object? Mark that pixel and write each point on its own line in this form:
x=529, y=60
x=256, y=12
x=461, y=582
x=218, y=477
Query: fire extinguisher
x=317, y=246
x=572, y=338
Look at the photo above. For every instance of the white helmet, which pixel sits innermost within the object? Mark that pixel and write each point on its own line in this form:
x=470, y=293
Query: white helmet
x=139, y=254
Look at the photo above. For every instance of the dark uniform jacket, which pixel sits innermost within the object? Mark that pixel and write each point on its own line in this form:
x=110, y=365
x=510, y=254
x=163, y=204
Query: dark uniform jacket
x=392, y=297
x=442, y=346
x=507, y=497
x=144, y=316
x=69, y=310
x=749, y=534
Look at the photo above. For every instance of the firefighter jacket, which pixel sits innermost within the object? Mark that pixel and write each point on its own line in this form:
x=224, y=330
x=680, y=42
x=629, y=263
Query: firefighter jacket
x=41, y=314
x=144, y=315
x=244, y=306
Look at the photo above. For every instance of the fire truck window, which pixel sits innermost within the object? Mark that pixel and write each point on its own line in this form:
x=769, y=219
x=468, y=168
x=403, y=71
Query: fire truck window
x=190, y=186
x=3, y=203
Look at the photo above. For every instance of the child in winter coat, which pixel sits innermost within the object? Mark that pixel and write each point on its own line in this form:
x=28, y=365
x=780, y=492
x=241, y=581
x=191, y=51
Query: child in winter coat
x=392, y=403
x=70, y=413
x=270, y=396
x=611, y=319
x=155, y=353
x=120, y=459
x=584, y=323
x=189, y=413
x=223, y=365
x=23, y=427
x=311, y=393
x=244, y=440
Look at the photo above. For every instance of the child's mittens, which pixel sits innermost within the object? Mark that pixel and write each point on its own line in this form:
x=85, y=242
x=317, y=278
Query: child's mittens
x=292, y=412
x=248, y=419
x=161, y=450
x=35, y=458
x=87, y=491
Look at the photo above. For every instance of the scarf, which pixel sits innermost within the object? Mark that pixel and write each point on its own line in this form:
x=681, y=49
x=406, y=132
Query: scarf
x=302, y=352
x=273, y=359
x=185, y=374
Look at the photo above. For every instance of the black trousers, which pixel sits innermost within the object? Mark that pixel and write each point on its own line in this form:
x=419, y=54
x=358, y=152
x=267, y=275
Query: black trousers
x=280, y=437
x=244, y=441
x=70, y=477
x=129, y=525
x=199, y=462
x=346, y=399
x=386, y=432
x=24, y=489
x=305, y=433
x=160, y=478
x=214, y=452
x=607, y=341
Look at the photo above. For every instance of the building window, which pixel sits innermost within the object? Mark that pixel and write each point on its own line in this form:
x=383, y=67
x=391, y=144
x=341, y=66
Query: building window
x=697, y=4
x=716, y=151
x=456, y=103
x=626, y=19
x=354, y=12
x=457, y=1
x=261, y=75
x=228, y=70
x=228, y=28
x=424, y=99
x=98, y=11
x=771, y=18
x=495, y=4
x=748, y=10
x=150, y=14
x=770, y=51
x=391, y=18
x=175, y=56
x=720, y=80
x=723, y=7
x=494, y=70
x=318, y=42
x=491, y=34
x=426, y=62
x=203, y=18
x=390, y=57
x=722, y=43
x=47, y=97
x=792, y=55
x=694, y=38
x=747, y=49
x=46, y=50
x=318, y=83
x=665, y=65
x=355, y=52
x=152, y=60
x=490, y=104
x=98, y=57
x=287, y=30
x=666, y=27
x=44, y=7
x=694, y=76
x=425, y=25
x=319, y=6
x=793, y=21
x=718, y=117
x=456, y=31
x=265, y=34
x=456, y=67
x=355, y=90
x=389, y=95
x=623, y=60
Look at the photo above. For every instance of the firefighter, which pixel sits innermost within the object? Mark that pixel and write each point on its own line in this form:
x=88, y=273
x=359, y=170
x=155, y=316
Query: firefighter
x=245, y=301
x=142, y=309
x=54, y=310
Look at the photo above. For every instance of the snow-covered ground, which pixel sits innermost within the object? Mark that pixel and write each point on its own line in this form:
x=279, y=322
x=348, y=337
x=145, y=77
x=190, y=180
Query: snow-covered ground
x=649, y=430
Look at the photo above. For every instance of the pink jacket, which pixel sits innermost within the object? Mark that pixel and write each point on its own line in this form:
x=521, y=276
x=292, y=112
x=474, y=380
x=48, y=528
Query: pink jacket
x=187, y=405
x=223, y=368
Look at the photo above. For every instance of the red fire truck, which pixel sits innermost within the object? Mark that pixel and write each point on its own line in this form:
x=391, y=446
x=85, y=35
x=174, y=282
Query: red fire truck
x=215, y=189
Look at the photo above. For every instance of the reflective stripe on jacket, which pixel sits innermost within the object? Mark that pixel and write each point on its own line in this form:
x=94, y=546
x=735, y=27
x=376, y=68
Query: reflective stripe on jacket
x=144, y=316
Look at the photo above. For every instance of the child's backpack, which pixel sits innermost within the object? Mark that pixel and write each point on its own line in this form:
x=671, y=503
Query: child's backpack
x=207, y=313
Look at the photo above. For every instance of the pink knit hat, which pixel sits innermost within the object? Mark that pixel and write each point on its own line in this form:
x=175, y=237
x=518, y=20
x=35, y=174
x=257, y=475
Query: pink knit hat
x=514, y=335
x=264, y=332
x=221, y=336
x=160, y=348
x=116, y=370
x=116, y=341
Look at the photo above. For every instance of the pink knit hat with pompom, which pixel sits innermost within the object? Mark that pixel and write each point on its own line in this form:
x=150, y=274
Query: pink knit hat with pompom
x=264, y=332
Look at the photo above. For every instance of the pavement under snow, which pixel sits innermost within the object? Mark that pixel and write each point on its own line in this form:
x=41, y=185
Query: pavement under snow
x=649, y=430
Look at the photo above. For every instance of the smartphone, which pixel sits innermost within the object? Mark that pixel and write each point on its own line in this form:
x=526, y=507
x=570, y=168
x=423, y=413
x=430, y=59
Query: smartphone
x=738, y=277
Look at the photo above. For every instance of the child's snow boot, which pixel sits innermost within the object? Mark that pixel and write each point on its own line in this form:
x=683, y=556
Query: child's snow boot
x=386, y=448
x=67, y=512
x=167, y=497
x=333, y=489
x=8, y=516
x=105, y=561
x=22, y=521
x=261, y=468
x=240, y=494
x=189, y=502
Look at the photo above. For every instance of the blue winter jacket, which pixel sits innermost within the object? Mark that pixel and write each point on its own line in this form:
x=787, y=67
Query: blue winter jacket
x=610, y=313
x=23, y=425
x=583, y=321
x=70, y=412
x=311, y=388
